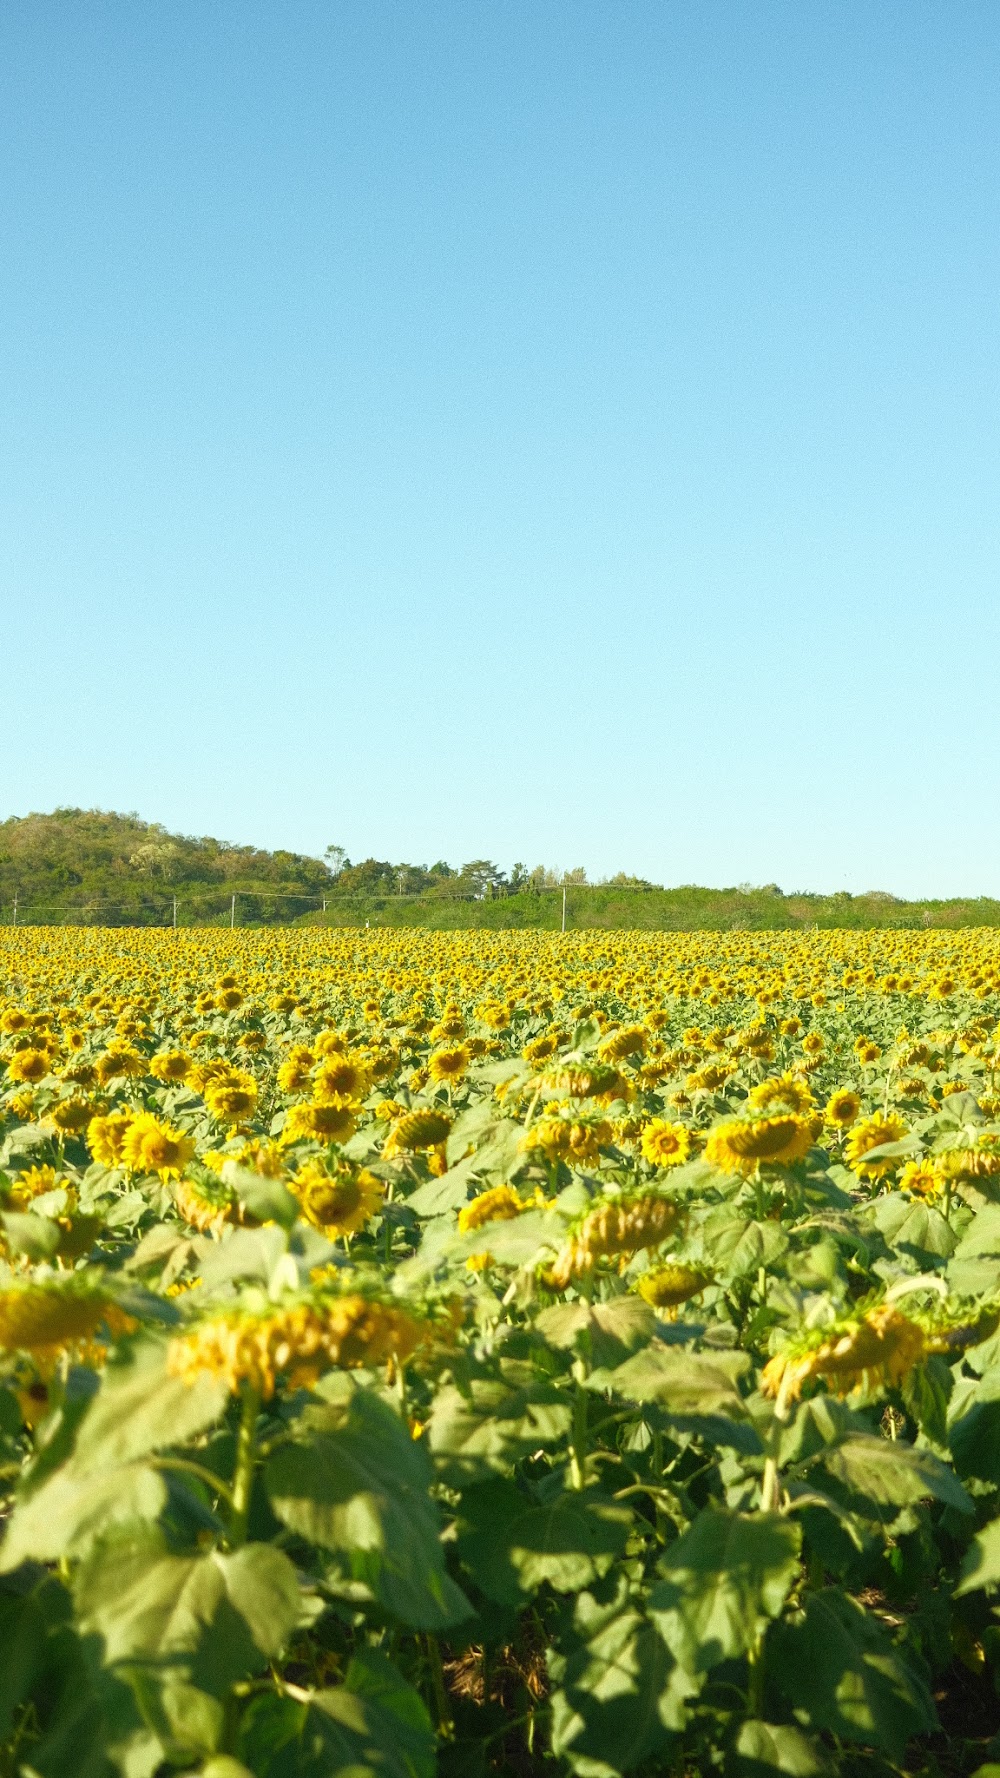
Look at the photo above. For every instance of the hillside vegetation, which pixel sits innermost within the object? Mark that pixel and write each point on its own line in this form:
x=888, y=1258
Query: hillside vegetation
x=89, y=867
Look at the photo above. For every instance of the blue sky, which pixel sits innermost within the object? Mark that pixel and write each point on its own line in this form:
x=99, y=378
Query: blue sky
x=564, y=432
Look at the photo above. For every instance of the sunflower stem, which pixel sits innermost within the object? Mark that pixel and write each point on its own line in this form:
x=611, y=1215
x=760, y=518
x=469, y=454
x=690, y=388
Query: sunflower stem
x=770, y=1487
x=246, y=1458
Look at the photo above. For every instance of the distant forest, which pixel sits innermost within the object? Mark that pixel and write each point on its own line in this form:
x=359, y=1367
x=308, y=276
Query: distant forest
x=89, y=867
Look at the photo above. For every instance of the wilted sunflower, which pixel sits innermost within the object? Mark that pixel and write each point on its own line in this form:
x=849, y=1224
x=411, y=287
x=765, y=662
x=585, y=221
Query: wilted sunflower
x=582, y=1080
x=617, y=1227
x=858, y=1350
x=631, y=1040
x=207, y=1204
x=575, y=1138
x=44, y=1318
x=299, y=1340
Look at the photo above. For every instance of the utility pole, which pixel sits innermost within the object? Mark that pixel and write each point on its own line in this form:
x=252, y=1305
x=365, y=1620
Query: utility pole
x=175, y=913
x=232, y=914
x=564, y=908
x=15, y=907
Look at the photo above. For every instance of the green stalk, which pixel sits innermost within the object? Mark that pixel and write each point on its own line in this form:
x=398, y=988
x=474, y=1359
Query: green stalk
x=578, y=1448
x=246, y=1459
x=770, y=1487
x=442, y=1709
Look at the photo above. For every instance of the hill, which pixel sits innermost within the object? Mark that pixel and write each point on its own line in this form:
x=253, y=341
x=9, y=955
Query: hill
x=90, y=867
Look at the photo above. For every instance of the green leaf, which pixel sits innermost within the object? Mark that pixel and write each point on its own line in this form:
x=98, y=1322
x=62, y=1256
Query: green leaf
x=141, y=1408
x=722, y=1580
x=981, y=1567
x=68, y=1512
x=372, y=1726
x=838, y=1666
x=490, y=1429
x=974, y=1429
x=699, y=1394
x=37, y=1237
x=763, y=1748
x=354, y=1482
x=926, y=1392
x=512, y=1545
x=605, y=1330
x=618, y=1694
x=913, y=1227
x=513, y=1243
x=22, y=1639
x=218, y=1618
x=267, y=1199
x=739, y=1247
x=90, y=1722
x=890, y=1473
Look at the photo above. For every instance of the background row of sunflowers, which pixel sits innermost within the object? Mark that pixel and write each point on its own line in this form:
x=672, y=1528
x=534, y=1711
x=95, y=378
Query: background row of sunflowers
x=484, y=1351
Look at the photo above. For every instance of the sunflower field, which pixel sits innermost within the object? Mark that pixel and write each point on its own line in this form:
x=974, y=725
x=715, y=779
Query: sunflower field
x=514, y=1353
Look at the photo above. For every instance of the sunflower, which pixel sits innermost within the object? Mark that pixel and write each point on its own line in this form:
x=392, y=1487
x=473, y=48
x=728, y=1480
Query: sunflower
x=500, y=1204
x=336, y=1198
x=170, y=1065
x=29, y=1066
x=740, y=1146
x=333, y=1121
x=448, y=1064
x=873, y=1132
x=231, y=1098
x=855, y=1352
x=842, y=1108
x=788, y=1092
x=921, y=1178
x=665, y=1144
x=298, y=1340
x=339, y=1078
x=667, y=1287
x=149, y=1146
x=416, y=1130
x=106, y=1137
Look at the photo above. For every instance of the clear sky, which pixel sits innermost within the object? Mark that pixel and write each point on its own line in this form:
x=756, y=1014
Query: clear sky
x=553, y=431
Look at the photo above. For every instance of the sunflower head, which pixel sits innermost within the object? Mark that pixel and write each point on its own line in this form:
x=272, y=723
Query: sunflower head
x=665, y=1144
x=740, y=1145
x=416, y=1130
x=335, y=1197
x=871, y=1133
